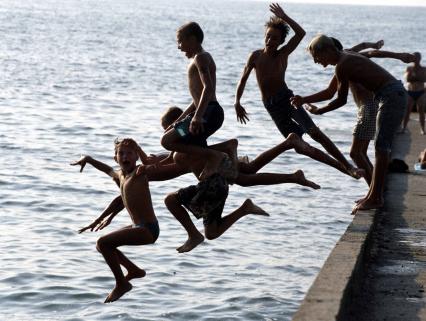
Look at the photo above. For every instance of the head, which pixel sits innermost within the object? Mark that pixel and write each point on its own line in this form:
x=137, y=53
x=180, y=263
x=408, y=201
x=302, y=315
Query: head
x=126, y=153
x=276, y=30
x=324, y=51
x=417, y=58
x=337, y=44
x=190, y=37
x=170, y=116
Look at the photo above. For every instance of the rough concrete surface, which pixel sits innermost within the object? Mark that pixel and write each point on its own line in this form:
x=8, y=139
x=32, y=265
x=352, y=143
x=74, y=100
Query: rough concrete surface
x=377, y=270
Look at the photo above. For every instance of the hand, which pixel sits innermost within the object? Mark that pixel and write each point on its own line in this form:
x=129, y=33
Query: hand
x=91, y=226
x=82, y=162
x=241, y=113
x=313, y=109
x=104, y=223
x=379, y=44
x=296, y=101
x=196, y=126
x=407, y=58
x=277, y=10
x=152, y=159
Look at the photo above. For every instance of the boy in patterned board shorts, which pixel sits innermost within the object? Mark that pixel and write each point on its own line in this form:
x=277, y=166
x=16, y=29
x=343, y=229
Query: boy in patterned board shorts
x=365, y=127
x=389, y=94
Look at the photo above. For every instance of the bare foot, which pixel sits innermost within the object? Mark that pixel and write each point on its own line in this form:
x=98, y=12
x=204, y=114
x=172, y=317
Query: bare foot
x=212, y=165
x=140, y=273
x=355, y=172
x=401, y=131
x=301, y=180
x=250, y=208
x=366, y=205
x=191, y=243
x=292, y=141
x=118, y=292
x=422, y=132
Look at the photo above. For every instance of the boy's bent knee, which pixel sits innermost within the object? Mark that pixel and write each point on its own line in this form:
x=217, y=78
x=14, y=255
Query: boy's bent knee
x=171, y=200
x=101, y=244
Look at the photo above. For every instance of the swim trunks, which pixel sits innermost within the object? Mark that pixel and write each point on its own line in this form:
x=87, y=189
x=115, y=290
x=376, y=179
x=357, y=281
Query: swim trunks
x=415, y=95
x=392, y=102
x=365, y=128
x=153, y=228
x=287, y=118
x=206, y=199
x=212, y=121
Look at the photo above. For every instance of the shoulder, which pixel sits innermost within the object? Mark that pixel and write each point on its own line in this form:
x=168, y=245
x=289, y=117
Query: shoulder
x=254, y=56
x=203, y=58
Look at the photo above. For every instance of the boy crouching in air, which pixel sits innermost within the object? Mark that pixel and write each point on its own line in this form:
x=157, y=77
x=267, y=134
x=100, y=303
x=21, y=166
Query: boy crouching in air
x=137, y=200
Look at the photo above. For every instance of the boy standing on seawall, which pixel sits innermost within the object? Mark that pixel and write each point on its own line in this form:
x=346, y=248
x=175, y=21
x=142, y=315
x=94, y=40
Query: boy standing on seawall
x=270, y=64
x=389, y=94
x=136, y=197
x=204, y=116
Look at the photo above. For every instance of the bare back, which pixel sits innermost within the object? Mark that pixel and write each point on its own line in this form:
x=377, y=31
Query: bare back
x=270, y=72
x=202, y=63
x=361, y=70
x=137, y=197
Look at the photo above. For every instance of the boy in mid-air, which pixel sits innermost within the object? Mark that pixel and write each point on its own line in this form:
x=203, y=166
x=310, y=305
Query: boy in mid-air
x=136, y=196
x=204, y=115
x=270, y=64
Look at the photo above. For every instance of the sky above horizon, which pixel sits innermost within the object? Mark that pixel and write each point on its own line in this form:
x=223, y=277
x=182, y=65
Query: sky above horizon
x=367, y=2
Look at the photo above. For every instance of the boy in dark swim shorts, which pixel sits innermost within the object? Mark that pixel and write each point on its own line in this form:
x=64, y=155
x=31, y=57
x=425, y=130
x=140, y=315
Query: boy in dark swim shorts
x=204, y=116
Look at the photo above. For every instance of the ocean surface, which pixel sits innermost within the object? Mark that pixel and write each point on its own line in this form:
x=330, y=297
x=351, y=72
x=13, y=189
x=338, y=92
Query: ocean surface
x=75, y=74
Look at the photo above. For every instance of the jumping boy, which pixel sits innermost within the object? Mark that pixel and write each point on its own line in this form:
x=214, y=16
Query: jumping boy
x=270, y=64
x=137, y=199
x=204, y=116
x=389, y=94
x=365, y=127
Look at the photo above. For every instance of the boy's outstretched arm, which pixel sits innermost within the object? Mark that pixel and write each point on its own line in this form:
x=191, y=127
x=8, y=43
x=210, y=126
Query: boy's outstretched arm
x=322, y=95
x=299, y=32
x=239, y=109
x=366, y=45
x=111, y=211
x=403, y=56
x=342, y=95
x=96, y=164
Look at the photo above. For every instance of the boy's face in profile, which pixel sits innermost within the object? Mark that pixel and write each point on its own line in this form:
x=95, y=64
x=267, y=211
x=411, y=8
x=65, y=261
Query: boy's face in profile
x=272, y=39
x=320, y=57
x=185, y=44
x=126, y=157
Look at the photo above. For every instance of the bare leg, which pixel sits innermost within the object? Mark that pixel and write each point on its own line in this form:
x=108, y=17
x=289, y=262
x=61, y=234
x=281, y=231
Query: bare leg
x=374, y=198
x=216, y=229
x=359, y=155
x=407, y=113
x=173, y=142
x=107, y=246
x=180, y=213
x=329, y=146
x=297, y=177
x=421, y=111
x=133, y=270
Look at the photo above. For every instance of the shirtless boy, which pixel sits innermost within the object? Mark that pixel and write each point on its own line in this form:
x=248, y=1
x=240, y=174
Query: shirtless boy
x=270, y=64
x=415, y=76
x=137, y=199
x=207, y=199
x=389, y=94
x=204, y=115
x=365, y=127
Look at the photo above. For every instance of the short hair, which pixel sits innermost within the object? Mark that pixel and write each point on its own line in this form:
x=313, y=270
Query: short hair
x=417, y=56
x=320, y=43
x=280, y=24
x=337, y=44
x=125, y=142
x=191, y=29
x=170, y=115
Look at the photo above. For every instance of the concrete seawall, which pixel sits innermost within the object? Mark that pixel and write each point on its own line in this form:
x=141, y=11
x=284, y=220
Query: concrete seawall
x=377, y=269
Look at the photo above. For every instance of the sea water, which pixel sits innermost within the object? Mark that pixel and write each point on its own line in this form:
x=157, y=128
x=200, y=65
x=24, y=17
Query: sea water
x=76, y=74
